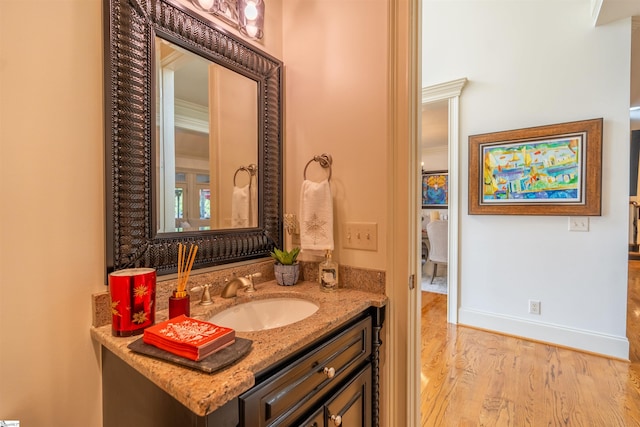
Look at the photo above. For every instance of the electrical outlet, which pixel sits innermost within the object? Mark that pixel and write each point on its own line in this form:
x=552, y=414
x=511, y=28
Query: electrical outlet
x=578, y=223
x=534, y=306
x=361, y=235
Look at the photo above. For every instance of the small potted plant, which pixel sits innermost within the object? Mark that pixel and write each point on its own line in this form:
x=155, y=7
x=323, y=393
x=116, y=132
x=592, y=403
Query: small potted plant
x=286, y=268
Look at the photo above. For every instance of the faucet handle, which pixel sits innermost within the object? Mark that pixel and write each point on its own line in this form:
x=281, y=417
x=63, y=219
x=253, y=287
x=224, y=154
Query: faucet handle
x=205, y=299
x=250, y=287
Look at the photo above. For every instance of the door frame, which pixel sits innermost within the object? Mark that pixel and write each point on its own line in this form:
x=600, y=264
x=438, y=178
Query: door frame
x=450, y=91
x=401, y=373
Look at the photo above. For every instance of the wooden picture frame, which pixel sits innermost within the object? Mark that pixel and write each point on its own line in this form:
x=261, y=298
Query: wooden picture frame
x=435, y=189
x=545, y=170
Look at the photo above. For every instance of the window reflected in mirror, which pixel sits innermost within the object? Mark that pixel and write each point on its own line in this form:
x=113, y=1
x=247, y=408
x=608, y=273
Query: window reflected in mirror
x=206, y=143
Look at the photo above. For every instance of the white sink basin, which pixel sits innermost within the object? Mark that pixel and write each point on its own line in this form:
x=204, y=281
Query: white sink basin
x=260, y=315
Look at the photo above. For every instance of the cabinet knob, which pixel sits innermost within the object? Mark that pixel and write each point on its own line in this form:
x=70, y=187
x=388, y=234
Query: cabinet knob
x=337, y=420
x=329, y=372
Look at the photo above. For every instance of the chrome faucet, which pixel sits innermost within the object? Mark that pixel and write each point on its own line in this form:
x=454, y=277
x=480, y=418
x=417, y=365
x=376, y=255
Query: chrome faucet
x=231, y=288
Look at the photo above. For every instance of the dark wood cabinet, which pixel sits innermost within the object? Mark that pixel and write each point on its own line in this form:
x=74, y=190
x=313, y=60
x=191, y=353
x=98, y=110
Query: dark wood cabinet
x=298, y=387
x=348, y=406
x=315, y=420
x=129, y=399
x=337, y=375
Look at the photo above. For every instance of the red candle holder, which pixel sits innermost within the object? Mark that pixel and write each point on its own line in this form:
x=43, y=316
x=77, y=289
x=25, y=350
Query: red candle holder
x=179, y=305
x=133, y=297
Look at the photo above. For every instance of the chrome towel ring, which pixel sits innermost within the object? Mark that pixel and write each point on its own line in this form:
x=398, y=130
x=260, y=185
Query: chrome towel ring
x=325, y=161
x=251, y=170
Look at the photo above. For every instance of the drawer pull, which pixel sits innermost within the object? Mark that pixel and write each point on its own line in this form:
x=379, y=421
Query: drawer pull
x=329, y=372
x=337, y=420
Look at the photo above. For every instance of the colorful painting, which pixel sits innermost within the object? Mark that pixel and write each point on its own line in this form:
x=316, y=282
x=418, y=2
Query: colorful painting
x=435, y=189
x=544, y=171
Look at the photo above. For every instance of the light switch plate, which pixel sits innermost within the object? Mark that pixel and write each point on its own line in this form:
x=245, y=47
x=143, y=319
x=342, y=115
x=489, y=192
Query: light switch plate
x=361, y=235
x=578, y=223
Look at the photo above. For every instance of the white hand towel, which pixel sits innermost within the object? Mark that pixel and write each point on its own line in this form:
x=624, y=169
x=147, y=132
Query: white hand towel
x=240, y=201
x=316, y=216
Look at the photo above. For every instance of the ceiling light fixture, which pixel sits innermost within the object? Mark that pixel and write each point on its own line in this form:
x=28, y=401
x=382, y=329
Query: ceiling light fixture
x=245, y=15
x=251, y=18
x=205, y=4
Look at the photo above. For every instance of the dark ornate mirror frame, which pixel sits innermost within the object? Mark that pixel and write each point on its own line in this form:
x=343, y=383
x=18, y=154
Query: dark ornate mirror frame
x=130, y=27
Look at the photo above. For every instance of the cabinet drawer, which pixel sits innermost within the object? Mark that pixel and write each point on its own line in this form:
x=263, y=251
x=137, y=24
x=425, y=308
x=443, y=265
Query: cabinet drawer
x=351, y=403
x=296, y=388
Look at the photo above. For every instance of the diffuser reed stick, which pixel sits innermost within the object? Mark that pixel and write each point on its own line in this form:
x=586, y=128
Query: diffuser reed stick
x=185, y=263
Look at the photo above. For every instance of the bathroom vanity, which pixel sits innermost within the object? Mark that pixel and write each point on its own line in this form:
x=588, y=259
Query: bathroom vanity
x=282, y=380
x=321, y=371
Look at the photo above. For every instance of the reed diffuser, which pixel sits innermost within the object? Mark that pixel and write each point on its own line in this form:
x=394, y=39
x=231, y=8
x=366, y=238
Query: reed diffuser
x=179, y=302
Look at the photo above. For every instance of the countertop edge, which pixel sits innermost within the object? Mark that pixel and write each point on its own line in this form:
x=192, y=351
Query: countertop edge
x=203, y=393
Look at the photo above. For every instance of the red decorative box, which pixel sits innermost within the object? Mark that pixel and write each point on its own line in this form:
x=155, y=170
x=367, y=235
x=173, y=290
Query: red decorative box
x=190, y=338
x=133, y=299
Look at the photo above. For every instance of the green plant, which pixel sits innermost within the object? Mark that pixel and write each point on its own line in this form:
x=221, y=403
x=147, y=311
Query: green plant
x=284, y=257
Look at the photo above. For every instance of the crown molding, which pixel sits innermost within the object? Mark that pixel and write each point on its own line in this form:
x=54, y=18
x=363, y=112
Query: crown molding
x=441, y=91
x=191, y=116
x=604, y=12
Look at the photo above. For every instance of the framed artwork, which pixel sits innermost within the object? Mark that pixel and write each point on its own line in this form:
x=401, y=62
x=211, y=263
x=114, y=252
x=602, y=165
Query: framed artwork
x=546, y=170
x=435, y=189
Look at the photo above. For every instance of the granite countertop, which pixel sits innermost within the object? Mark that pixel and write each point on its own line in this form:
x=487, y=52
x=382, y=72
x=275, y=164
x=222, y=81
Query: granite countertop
x=203, y=393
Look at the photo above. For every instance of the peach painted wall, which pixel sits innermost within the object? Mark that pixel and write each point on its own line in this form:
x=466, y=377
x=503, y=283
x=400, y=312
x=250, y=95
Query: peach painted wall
x=52, y=174
x=51, y=142
x=335, y=54
x=52, y=216
x=52, y=220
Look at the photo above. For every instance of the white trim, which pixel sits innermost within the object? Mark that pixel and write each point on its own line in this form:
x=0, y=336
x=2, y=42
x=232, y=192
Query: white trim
x=596, y=7
x=191, y=116
x=451, y=91
x=604, y=12
x=167, y=158
x=442, y=91
x=401, y=391
x=605, y=344
x=176, y=59
x=454, y=210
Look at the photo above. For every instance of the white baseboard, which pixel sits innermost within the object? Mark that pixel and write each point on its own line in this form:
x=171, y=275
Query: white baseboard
x=594, y=342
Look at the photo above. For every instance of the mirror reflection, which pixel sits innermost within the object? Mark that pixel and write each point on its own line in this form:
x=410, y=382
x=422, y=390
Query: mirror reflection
x=206, y=143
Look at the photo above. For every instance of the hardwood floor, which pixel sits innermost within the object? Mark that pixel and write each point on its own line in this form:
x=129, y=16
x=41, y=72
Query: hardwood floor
x=477, y=378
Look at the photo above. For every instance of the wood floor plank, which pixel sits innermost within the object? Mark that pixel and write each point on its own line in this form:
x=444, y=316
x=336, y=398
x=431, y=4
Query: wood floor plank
x=477, y=378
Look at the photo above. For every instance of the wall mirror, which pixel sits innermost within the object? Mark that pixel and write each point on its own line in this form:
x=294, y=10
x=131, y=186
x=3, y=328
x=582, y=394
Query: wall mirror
x=206, y=143
x=193, y=139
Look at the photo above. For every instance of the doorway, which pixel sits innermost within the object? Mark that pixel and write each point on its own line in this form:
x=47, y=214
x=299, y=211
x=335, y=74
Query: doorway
x=434, y=143
x=447, y=96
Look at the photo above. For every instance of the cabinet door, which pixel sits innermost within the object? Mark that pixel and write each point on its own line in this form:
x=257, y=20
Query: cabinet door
x=315, y=420
x=351, y=405
x=301, y=386
x=131, y=399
